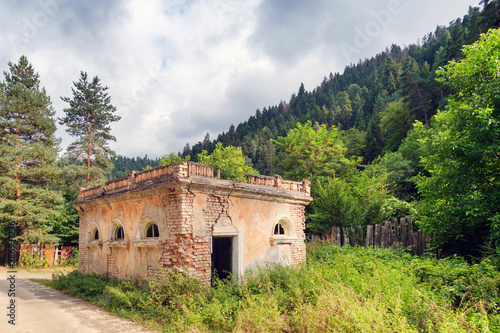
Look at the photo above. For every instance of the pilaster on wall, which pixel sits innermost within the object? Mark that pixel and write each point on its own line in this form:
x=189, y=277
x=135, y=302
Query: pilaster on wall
x=183, y=251
x=181, y=170
x=82, y=239
x=299, y=247
x=186, y=250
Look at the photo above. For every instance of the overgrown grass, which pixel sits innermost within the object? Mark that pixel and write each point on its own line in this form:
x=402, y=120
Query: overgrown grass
x=338, y=290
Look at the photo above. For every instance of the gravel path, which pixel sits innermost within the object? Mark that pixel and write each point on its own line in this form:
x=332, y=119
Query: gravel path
x=41, y=309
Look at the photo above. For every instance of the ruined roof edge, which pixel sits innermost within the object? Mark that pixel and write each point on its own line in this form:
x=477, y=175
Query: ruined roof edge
x=195, y=173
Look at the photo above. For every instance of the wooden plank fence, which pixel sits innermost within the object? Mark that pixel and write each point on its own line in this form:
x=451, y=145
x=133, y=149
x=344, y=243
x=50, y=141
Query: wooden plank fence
x=397, y=233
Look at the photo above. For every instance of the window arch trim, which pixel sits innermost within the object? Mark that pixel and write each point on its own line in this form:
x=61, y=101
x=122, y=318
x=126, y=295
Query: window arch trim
x=283, y=232
x=92, y=229
x=143, y=229
x=116, y=232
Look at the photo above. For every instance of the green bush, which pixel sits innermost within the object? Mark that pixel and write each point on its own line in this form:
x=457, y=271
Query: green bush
x=30, y=260
x=88, y=286
x=73, y=259
x=460, y=283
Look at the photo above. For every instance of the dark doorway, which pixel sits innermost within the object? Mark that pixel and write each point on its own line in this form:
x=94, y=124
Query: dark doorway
x=221, y=257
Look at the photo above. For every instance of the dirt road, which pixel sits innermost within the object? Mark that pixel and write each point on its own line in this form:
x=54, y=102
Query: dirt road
x=40, y=309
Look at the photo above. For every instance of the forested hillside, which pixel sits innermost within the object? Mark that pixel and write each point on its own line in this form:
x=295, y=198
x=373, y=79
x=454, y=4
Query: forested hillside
x=373, y=102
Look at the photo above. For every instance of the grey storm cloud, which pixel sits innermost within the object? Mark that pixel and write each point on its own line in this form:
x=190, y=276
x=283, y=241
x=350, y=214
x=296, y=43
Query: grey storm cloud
x=288, y=30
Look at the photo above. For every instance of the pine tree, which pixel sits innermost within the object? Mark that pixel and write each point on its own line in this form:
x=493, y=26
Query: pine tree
x=28, y=152
x=414, y=88
x=206, y=140
x=187, y=150
x=88, y=119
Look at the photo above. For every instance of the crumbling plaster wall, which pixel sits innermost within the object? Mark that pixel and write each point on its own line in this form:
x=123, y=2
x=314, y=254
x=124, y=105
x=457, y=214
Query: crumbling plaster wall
x=134, y=256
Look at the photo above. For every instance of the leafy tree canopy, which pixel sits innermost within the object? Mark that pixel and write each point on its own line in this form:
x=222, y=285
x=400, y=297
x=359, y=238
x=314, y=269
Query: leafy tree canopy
x=460, y=187
x=229, y=160
x=308, y=154
x=172, y=158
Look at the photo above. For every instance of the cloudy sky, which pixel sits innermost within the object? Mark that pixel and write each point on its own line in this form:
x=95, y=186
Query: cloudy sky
x=177, y=69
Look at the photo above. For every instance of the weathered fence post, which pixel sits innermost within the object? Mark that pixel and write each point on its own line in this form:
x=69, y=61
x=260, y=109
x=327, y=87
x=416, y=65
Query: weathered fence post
x=353, y=237
x=383, y=236
x=345, y=241
x=337, y=236
x=397, y=229
x=369, y=236
x=389, y=238
x=421, y=243
x=404, y=235
x=377, y=234
x=414, y=243
x=360, y=236
x=56, y=255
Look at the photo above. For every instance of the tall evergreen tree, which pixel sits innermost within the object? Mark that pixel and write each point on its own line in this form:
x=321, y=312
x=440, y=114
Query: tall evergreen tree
x=206, y=140
x=28, y=152
x=88, y=119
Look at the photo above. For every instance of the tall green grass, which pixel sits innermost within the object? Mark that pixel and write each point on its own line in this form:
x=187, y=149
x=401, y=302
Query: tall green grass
x=338, y=290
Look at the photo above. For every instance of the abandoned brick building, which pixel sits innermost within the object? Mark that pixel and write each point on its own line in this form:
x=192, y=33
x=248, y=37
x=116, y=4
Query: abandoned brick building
x=182, y=217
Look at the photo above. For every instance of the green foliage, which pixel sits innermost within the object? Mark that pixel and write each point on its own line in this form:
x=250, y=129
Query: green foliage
x=122, y=165
x=335, y=204
x=395, y=121
x=460, y=189
x=229, y=160
x=355, y=142
x=455, y=280
x=32, y=260
x=347, y=203
x=73, y=259
x=337, y=290
x=173, y=158
x=397, y=170
x=88, y=118
x=66, y=225
x=89, y=287
x=28, y=152
x=394, y=208
x=309, y=154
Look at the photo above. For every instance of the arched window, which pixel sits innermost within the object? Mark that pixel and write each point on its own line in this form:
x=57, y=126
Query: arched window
x=283, y=232
x=279, y=229
x=93, y=233
x=152, y=231
x=148, y=229
x=119, y=234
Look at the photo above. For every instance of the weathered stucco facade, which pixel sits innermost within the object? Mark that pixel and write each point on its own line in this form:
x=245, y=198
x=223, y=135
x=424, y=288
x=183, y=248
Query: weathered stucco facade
x=183, y=218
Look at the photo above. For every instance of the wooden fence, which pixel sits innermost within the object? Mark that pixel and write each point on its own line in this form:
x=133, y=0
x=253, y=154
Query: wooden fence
x=63, y=253
x=400, y=232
